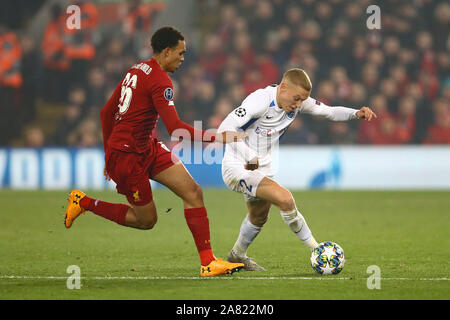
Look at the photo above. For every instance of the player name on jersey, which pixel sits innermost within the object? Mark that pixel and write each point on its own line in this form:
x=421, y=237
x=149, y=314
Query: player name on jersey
x=142, y=66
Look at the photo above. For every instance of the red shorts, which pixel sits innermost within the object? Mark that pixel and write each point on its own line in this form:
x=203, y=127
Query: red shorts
x=132, y=171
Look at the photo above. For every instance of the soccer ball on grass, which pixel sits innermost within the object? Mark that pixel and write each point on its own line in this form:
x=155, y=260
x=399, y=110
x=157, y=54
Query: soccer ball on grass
x=328, y=258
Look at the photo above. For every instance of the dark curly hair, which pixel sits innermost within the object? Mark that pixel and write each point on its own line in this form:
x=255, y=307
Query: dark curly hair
x=165, y=37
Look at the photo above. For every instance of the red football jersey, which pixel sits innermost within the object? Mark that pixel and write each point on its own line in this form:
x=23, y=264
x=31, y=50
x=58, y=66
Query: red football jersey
x=130, y=115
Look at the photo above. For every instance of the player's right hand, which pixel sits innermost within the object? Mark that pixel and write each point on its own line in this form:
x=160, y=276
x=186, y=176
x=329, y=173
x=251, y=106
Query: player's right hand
x=230, y=136
x=253, y=164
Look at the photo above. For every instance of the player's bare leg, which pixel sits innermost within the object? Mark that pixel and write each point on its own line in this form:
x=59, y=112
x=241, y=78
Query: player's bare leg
x=142, y=217
x=180, y=182
x=258, y=212
x=270, y=190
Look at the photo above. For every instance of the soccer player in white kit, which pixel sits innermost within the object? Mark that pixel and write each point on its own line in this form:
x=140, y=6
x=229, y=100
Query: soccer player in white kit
x=265, y=115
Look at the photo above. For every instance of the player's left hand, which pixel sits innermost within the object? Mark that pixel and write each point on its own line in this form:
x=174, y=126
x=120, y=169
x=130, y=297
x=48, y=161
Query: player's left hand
x=253, y=164
x=366, y=113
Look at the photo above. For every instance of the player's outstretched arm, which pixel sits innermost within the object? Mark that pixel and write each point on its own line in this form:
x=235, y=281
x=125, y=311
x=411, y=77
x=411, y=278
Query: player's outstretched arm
x=173, y=123
x=334, y=113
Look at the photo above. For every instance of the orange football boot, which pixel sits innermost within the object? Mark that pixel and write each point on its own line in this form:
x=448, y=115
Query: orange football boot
x=220, y=267
x=73, y=207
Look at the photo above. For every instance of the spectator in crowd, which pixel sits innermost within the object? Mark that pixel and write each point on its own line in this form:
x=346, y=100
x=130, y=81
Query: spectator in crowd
x=87, y=134
x=55, y=63
x=96, y=88
x=439, y=131
x=388, y=88
x=31, y=69
x=137, y=25
x=213, y=56
x=222, y=108
x=77, y=96
x=369, y=132
x=34, y=137
x=69, y=122
x=204, y=100
x=79, y=44
x=113, y=59
x=406, y=120
x=340, y=133
x=10, y=84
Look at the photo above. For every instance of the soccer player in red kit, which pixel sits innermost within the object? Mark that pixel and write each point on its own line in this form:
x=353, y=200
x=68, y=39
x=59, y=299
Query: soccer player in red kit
x=133, y=156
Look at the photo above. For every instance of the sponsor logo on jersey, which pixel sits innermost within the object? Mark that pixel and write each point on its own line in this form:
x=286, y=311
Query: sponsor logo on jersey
x=240, y=112
x=264, y=132
x=318, y=102
x=168, y=94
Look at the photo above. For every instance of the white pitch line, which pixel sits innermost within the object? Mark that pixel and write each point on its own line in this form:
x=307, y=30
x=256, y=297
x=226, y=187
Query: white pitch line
x=213, y=278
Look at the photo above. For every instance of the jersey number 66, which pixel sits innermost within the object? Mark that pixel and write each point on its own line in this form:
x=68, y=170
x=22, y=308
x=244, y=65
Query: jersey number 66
x=126, y=93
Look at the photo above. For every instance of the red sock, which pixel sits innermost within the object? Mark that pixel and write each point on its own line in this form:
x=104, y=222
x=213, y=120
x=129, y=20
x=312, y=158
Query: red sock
x=197, y=220
x=116, y=212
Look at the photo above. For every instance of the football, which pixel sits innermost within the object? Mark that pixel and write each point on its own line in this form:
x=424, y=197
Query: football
x=328, y=258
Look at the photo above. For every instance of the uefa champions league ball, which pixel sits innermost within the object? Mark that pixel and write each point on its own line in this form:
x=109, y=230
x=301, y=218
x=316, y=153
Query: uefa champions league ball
x=328, y=258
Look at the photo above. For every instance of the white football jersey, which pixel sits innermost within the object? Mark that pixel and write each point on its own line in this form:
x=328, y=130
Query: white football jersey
x=265, y=123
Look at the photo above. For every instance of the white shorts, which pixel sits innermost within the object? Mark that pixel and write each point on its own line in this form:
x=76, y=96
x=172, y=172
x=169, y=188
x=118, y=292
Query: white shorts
x=238, y=179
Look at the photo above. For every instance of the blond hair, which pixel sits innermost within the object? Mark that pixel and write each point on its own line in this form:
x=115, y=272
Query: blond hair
x=298, y=77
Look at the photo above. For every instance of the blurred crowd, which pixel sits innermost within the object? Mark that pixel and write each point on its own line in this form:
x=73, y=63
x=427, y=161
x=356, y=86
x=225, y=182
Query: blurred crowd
x=401, y=70
x=236, y=47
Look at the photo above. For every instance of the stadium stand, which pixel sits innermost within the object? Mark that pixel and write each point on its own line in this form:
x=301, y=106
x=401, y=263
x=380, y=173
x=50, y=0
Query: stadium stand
x=54, y=87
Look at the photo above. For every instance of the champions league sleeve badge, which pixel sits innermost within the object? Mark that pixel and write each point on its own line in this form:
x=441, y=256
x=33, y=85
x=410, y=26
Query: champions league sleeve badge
x=240, y=112
x=168, y=94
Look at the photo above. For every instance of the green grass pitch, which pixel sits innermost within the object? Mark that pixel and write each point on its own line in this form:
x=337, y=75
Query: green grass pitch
x=405, y=234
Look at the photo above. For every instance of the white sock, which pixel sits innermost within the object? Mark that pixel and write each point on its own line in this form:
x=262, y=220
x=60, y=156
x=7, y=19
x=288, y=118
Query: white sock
x=246, y=236
x=298, y=225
